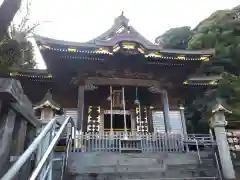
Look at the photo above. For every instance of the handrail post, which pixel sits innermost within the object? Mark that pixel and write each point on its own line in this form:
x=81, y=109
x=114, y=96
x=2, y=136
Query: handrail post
x=218, y=166
x=43, y=169
x=27, y=154
x=48, y=151
x=199, y=158
x=52, y=134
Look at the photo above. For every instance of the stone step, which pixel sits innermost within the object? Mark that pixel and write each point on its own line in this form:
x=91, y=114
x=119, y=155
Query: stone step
x=139, y=166
x=120, y=169
x=147, y=172
x=173, y=175
x=186, y=178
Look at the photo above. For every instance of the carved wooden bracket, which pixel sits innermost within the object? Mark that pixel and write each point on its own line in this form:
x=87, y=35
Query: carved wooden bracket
x=79, y=79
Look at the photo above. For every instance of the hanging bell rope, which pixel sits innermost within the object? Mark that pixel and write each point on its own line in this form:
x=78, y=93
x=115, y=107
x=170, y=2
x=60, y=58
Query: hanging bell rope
x=124, y=110
x=137, y=102
x=111, y=109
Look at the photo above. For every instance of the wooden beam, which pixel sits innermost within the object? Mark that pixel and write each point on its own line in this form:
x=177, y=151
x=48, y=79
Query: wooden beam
x=123, y=82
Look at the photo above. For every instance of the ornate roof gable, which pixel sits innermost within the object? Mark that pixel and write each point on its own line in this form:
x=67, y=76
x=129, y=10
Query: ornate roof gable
x=121, y=31
x=120, y=35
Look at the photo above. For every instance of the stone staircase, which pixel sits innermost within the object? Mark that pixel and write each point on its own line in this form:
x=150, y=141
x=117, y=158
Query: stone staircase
x=208, y=166
x=57, y=165
x=135, y=166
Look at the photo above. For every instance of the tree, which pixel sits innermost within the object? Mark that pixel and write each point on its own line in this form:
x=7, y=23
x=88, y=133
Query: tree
x=220, y=31
x=15, y=48
x=8, y=9
x=175, y=38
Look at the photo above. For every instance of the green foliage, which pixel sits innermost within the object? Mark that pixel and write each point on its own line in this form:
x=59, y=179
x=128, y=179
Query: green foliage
x=175, y=38
x=15, y=53
x=15, y=49
x=220, y=31
x=9, y=53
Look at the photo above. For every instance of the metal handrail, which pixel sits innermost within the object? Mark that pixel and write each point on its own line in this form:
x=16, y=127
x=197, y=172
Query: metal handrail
x=218, y=166
x=215, y=157
x=65, y=158
x=33, y=147
x=198, y=153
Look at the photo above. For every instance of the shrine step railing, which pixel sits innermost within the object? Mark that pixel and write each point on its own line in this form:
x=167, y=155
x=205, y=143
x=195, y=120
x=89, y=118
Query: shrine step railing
x=150, y=142
x=118, y=142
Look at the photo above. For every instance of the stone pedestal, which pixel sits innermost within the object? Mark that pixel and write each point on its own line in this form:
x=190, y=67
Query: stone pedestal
x=218, y=123
x=166, y=111
x=46, y=115
x=80, y=105
x=184, y=128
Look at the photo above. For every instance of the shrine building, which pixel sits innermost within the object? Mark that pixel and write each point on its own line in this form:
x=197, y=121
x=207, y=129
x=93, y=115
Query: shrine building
x=117, y=82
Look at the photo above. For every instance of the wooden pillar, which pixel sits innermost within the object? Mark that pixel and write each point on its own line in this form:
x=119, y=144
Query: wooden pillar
x=80, y=106
x=166, y=111
x=150, y=120
x=101, y=121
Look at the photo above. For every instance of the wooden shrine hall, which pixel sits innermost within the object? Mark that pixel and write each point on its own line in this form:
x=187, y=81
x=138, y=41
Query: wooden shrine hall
x=118, y=81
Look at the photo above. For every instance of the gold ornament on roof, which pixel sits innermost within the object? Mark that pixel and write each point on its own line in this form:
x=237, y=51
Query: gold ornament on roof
x=154, y=54
x=185, y=82
x=181, y=57
x=102, y=50
x=141, y=50
x=128, y=45
x=72, y=49
x=204, y=58
x=116, y=48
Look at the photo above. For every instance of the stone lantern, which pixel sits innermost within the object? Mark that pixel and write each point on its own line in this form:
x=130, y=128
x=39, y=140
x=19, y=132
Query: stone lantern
x=218, y=123
x=47, y=109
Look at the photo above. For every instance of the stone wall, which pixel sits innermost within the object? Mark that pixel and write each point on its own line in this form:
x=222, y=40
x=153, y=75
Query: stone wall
x=17, y=125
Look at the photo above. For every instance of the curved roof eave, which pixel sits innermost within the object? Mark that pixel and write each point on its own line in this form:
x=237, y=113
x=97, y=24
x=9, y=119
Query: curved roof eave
x=45, y=40
x=121, y=31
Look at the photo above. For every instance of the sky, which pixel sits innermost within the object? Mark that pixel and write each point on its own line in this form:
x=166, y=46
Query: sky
x=82, y=20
